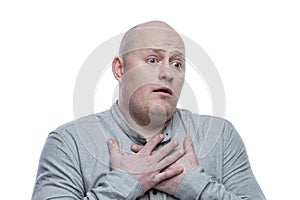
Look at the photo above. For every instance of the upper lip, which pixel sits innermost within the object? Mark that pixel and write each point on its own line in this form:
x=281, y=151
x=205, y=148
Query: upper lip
x=163, y=89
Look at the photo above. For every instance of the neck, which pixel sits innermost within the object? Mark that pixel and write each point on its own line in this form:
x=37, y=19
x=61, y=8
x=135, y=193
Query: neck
x=147, y=124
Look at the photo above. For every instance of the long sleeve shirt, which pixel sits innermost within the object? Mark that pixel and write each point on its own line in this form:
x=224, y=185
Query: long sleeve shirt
x=74, y=163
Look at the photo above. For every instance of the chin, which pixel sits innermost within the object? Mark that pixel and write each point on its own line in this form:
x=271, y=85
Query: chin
x=162, y=109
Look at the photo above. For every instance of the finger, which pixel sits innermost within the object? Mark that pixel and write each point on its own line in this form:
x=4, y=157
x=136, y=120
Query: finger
x=126, y=153
x=170, y=159
x=148, y=148
x=113, y=147
x=166, y=150
x=188, y=143
x=136, y=148
x=168, y=173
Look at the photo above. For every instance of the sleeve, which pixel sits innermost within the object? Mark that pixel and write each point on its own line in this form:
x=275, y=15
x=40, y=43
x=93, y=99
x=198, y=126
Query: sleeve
x=238, y=180
x=59, y=176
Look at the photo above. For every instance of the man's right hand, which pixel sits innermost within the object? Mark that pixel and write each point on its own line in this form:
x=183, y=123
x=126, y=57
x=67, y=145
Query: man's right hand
x=147, y=168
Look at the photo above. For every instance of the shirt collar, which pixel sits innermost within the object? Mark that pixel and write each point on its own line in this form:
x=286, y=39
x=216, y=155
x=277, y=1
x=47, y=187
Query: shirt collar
x=131, y=133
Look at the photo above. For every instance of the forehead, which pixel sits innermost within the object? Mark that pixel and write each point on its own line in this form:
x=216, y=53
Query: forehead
x=157, y=39
x=149, y=51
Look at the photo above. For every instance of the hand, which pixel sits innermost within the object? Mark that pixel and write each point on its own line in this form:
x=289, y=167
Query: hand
x=149, y=169
x=187, y=161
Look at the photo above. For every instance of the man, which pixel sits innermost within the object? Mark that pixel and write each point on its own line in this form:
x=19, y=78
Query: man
x=144, y=147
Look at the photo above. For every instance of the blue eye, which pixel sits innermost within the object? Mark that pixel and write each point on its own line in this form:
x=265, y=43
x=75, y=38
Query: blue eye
x=152, y=60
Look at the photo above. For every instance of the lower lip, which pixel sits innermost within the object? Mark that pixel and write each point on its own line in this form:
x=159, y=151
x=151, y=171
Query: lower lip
x=163, y=94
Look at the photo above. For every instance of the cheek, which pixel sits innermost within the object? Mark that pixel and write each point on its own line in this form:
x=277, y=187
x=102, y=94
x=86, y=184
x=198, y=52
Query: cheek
x=140, y=93
x=177, y=84
x=137, y=77
x=139, y=97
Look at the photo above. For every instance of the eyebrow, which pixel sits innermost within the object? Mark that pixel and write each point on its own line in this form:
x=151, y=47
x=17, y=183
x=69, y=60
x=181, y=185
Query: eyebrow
x=174, y=53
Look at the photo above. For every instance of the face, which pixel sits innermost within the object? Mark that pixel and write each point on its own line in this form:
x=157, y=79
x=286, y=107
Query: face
x=151, y=79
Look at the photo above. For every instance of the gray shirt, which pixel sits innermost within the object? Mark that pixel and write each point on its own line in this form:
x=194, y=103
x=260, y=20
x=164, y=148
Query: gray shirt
x=74, y=163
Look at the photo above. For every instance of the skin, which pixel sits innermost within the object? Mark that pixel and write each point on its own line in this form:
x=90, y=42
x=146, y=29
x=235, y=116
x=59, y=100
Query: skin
x=153, y=57
x=150, y=70
x=144, y=72
x=186, y=162
x=149, y=170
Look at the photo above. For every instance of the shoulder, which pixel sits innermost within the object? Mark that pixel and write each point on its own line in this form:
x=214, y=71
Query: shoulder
x=84, y=121
x=204, y=121
x=71, y=131
x=211, y=131
x=207, y=127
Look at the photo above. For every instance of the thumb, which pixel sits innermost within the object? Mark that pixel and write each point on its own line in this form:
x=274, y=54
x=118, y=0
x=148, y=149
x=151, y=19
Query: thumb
x=113, y=147
x=188, y=143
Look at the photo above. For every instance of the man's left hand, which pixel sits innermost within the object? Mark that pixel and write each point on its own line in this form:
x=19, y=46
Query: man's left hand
x=187, y=161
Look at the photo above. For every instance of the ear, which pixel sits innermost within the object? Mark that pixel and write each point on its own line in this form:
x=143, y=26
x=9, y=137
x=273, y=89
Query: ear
x=118, y=68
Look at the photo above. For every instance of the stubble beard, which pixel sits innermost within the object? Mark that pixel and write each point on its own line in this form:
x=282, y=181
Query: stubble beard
x=151, y=118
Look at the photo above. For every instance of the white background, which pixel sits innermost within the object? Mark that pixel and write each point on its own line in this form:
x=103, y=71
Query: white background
x=255, y=46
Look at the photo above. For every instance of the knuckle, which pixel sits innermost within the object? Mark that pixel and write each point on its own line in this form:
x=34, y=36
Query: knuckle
x=157, y=178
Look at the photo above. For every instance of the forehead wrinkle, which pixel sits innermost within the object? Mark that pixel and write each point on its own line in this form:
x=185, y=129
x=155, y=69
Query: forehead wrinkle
x=158, y=50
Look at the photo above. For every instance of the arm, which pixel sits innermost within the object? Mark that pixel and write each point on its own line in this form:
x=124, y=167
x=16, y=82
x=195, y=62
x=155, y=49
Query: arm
x=238, y=180
x=194, y=183
x=59, y=176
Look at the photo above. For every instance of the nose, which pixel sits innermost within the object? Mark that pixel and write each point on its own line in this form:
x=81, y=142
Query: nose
x=165, y=73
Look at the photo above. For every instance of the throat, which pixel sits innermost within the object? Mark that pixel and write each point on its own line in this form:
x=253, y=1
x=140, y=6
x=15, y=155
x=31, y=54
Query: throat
x=149, y=123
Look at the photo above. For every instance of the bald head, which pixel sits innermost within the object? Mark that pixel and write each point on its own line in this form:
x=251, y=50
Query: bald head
x=151, y=35
x=154, y=24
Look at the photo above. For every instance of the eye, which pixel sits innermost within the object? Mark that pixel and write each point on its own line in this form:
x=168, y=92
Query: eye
x=152, y=60
x=177, y=64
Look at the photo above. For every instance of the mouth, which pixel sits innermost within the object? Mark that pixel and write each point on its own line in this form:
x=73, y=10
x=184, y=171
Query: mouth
x=164, y=90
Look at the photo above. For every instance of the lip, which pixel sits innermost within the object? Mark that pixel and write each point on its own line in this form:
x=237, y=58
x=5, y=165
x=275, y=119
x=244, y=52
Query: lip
x=163, y=90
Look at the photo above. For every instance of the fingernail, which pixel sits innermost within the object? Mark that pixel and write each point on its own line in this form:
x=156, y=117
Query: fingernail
x=161, y=136
x=157, y=178
x=110, y=141
x=182, y=151
x=176, y=142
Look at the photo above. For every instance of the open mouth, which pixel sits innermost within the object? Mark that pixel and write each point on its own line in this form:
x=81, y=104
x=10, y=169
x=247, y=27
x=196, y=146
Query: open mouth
x=164, y=90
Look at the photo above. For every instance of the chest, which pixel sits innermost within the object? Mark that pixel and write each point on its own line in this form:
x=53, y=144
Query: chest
x=95, y=165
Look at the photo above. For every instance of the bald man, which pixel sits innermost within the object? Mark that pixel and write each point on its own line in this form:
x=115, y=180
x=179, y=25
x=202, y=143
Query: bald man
x=144, y=147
